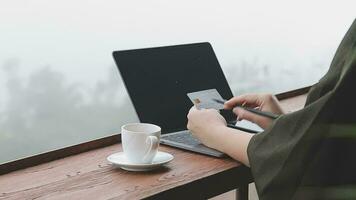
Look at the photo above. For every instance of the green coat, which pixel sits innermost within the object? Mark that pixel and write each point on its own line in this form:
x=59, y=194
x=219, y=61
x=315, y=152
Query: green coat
x=311, y=153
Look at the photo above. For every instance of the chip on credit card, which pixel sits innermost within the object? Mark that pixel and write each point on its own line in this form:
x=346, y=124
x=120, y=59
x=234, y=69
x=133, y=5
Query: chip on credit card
x=205, y=99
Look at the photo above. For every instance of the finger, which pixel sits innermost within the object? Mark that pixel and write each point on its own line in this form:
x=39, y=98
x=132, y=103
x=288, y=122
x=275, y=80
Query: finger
x=249, y=116
x=247, y=99
x=191, y=111
x=211, y=110
x=238, y=118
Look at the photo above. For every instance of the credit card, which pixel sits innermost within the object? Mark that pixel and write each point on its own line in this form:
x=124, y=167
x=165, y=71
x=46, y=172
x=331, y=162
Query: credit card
x=205, y=99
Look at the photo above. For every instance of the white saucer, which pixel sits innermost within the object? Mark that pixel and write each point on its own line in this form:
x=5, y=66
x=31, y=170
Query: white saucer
x=119, y=159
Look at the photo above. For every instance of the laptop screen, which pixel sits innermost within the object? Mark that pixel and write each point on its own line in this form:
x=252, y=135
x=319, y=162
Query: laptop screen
x=158, y=80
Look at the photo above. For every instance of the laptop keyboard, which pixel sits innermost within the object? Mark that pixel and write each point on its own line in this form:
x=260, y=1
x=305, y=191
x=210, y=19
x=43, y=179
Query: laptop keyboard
x=184, y=137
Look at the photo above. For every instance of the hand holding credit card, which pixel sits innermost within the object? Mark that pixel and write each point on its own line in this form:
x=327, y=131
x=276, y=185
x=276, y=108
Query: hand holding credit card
x=211, y=99
x=205, y=99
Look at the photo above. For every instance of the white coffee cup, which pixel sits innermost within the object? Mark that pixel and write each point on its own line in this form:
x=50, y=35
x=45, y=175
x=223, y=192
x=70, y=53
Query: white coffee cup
x=140, y=142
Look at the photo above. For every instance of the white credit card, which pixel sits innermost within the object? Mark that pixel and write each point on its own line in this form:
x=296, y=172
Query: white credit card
x=205, y=99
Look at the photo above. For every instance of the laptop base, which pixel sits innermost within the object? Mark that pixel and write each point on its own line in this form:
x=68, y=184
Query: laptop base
x=185, y=140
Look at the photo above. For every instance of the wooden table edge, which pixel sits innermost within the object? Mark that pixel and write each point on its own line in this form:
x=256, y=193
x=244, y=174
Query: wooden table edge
x=203, y=188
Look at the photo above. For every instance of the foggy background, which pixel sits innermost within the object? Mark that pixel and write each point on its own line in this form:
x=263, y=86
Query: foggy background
x=59, y=85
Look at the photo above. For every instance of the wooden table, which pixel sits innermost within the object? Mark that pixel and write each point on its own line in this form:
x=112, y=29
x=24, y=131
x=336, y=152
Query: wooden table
x=89, y=176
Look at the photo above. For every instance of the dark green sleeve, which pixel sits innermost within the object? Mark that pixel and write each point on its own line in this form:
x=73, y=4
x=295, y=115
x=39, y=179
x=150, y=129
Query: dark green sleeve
x=296, y=157
x=276, y=154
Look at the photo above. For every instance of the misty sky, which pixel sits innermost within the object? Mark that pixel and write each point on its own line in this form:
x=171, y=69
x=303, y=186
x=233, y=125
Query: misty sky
x=61, y=51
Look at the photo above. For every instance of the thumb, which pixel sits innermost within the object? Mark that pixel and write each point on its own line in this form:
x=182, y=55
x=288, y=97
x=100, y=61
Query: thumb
x=252, y=117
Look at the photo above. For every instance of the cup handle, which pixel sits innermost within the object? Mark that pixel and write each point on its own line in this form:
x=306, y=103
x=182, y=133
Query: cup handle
x=153, y=140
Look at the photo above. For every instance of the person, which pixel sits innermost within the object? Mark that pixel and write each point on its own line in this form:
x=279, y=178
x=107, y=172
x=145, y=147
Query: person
x=306, y=154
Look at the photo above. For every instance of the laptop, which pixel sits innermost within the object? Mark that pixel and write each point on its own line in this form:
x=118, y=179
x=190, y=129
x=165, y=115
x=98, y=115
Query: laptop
x=158, y=80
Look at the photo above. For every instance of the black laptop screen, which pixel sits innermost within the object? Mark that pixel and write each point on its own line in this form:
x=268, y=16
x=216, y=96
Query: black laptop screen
x=158, y=79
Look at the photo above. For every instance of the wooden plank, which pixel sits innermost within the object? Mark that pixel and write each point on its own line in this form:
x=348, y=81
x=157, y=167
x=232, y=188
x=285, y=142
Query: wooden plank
x=294, y=103
x=57, y=154
x=293, y=93
x=89, y=175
